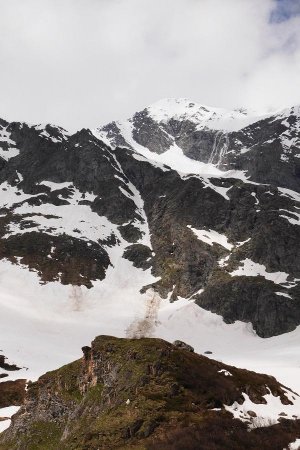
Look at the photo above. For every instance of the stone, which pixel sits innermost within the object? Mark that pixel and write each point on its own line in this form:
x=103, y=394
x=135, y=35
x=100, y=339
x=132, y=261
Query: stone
x=183, y=346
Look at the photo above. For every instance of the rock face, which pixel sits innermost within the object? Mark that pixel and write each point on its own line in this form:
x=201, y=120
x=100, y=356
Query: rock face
x=147, y=394
x=12, y=392
x=183, y=345
x=72, y=205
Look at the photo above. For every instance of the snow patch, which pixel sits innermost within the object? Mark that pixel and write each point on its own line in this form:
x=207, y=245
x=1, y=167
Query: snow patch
x=225, y=372
x=241, y=243
x=7, y=413
x=56, y=186
x=74, y=219
x=223, y=261
x=211, y=237
x=295, y=220
x=252, y=269
x=295, y=445
x=266, y=414
x=11, y=151
x=255, y=198
x=9, y=195
x=289, y=193
x=283, y=294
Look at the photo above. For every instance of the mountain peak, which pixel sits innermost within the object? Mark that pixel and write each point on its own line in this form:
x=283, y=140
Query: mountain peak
x=212, y=117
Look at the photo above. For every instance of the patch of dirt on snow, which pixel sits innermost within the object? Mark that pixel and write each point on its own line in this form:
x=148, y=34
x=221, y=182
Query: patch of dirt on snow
x=144, y=327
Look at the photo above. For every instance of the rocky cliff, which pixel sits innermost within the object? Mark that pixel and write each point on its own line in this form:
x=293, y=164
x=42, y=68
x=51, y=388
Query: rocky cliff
x=12, y=392
x=149, y=394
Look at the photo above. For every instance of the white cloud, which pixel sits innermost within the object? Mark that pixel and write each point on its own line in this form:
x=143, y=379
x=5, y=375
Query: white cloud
x=85, y=62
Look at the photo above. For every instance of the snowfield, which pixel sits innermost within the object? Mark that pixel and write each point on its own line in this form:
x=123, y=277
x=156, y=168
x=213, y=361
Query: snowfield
x=44, y=326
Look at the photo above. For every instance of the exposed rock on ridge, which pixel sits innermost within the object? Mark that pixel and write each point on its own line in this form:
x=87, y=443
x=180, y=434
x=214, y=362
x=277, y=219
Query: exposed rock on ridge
x=146, y=393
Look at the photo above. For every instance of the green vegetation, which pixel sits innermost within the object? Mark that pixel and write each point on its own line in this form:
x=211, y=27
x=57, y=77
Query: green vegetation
x=41, y=436
x=131, y=394
x=67, y=377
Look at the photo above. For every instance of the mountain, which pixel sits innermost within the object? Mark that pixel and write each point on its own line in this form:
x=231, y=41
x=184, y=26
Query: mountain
x=181, y=223
x=159, y=396
x=252, y=199
x=266, y=147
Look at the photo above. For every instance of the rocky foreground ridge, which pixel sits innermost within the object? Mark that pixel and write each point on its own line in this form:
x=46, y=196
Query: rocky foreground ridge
x=149, y=394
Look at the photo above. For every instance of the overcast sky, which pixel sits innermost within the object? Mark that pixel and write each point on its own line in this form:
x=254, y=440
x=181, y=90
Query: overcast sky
x=82, y=63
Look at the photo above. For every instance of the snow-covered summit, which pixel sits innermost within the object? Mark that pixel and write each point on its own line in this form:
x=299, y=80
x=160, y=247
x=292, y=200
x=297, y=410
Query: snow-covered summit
x=194, y=138
x=289, y=111
x=52, y=132
x=202, y=115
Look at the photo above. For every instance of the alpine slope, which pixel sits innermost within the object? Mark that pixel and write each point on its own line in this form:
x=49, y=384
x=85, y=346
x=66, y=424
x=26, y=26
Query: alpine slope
x=181, y=222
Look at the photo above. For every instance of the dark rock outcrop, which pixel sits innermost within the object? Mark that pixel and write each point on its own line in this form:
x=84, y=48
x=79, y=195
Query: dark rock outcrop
x=12, y=392
x=183, y=346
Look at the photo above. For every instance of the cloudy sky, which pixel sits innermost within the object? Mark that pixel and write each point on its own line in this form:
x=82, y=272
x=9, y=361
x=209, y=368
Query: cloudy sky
x=82, y=63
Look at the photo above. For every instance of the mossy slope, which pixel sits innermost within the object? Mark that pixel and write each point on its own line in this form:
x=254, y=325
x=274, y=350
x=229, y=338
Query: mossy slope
x=138, y=394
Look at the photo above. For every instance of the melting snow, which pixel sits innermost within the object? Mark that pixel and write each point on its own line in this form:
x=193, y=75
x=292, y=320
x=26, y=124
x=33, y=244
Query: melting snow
x=240, y=244
x=255, y=198
x=295, y=220
x=75, y=219
x=7, y=413
x=252, y=269
x=289, y=193
x=12, y=151
x=56, y=186
x=283, y=294
x=63, y=134
x=225, y=372
x=212, y=237
x=223, y=261
x=11, y=194
x=295, y=445
x=219, y=189
x=268, y=413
